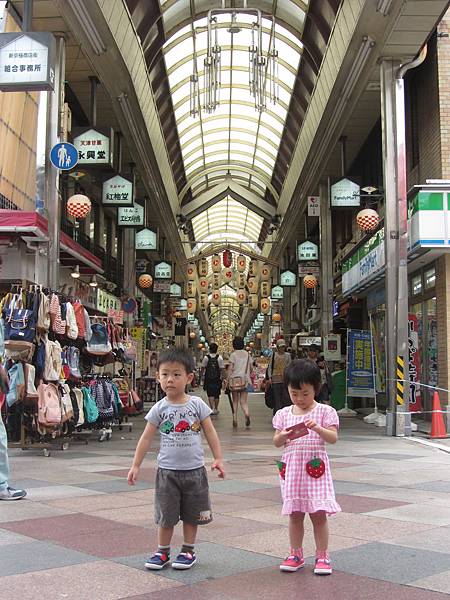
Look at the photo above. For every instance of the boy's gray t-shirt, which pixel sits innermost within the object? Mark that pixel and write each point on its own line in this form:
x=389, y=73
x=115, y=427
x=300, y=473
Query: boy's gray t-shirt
x=180, y=432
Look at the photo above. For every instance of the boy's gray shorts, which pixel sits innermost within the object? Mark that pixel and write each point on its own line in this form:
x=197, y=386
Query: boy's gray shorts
x=182, y=495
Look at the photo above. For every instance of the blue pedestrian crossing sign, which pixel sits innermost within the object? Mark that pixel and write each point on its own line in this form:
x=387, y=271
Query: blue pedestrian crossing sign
x=64, y=156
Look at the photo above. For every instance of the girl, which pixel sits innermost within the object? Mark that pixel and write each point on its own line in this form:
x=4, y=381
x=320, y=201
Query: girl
x=305, y=476
x=240, y=367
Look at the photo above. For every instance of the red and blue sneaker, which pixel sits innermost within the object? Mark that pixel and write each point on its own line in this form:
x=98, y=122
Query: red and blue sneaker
x=185, y=560
x=158, y=561
x=293, y=562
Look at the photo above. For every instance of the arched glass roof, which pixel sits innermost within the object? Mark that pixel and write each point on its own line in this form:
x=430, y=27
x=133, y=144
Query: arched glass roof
x=236, y=139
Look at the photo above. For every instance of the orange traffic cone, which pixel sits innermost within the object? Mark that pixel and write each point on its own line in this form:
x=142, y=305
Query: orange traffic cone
x=438, y=430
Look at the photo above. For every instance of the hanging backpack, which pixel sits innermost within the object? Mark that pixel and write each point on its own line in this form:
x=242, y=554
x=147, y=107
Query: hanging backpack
x=53, y=361
x=90, y=408
x=66, y=403
x=73, y=362
x=20, y=323
x=103, y=395
x=43, y=319
x=99, y=343
x=49, y=405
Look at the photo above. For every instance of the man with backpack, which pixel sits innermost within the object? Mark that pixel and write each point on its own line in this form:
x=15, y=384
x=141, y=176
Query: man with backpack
x=212, y=371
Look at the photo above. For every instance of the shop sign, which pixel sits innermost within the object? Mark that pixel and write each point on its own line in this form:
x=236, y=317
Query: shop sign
x=309, y=341
x=106, y=301
x=26, y=62
x=141, y=266
x=145, y=240
x=335, y=308
x=360, y=367
x=183, y=304
x=163, y=271
x=86, y=294
x=162, y=287
x=415, y=398
x=180, y=326
x=313, y=206
x=332, y=347
x=308, y=270
x=175, y=290
x=130, y=216
x=308, y=251
x=117, y=191
x=288, y=279
x=115, y=315
x=277, y=293
x=93, y=148
x=365, y=265
x=345, y=193
x=191, y=318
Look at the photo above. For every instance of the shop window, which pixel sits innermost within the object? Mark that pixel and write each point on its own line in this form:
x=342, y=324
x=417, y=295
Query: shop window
x=416, y=285
x=430, y=278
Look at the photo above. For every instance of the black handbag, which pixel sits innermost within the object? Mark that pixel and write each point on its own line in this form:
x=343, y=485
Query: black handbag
x=269, y=399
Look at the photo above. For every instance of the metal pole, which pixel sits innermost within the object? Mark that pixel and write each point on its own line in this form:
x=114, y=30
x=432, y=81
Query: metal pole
x=94, y=81
x=52, y=194
x=326, y=261
x=27, y=15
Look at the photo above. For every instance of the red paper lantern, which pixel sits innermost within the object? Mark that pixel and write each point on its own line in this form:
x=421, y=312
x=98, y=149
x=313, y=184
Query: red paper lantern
x=276, y=317
x=145, y=281
x=309, y=281
x=78, y=206
x=227, y=258
x=367, y=219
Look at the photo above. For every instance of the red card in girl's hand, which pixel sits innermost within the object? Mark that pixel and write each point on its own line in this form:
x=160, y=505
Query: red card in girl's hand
x=297, y=431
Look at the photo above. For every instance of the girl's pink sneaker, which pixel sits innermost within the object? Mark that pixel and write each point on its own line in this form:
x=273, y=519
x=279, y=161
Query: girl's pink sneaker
x=323, y=564
x=293, y=562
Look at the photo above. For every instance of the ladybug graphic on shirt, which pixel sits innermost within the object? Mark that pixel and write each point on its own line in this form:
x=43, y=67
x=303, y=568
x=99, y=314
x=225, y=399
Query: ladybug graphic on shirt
x=315, y=468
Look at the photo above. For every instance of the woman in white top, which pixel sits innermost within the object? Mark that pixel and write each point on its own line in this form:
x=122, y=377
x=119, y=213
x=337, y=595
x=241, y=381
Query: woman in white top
x=240, y=367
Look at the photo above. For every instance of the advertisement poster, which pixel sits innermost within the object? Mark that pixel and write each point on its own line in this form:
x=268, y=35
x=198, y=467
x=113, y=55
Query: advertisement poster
x=360, y=368
x=415, y=397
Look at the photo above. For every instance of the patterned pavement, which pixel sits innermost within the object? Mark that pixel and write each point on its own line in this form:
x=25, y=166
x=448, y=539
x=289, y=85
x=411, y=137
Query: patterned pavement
x=83, y=534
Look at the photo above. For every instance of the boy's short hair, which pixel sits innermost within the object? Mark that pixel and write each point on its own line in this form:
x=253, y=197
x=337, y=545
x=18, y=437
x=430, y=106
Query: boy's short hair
x=213, y=348
x=177, y=355
x=238, y=343
x=301, y=371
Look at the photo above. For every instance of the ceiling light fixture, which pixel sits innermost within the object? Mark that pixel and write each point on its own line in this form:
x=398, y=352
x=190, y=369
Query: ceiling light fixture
x=383, y=7
x=262, y=66
x=76, y=272
x=93, y=36
x=93, y=282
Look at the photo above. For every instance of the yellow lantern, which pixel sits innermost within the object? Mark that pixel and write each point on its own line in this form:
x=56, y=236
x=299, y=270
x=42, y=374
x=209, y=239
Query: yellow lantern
x=227, y=275
x=259, y=335
x=215, y=263
x=265, y=273
x=241, y=263
x=240, y=280
x=203, y=267
x=252, y=285
x=215, y=281
x=241, y=296
x=191, y=305
x=253, y=268
x=265, y=289
x=145, y=281
x=216, y=297
x=191, y=289
x=192, y=335
x=199, y=346
x=79, y=206
x=177, y=314
x=204, y=301
x=265, y=306
x=190, y=272
x=309, y=281
x=203, y=285
x=276, y=317
x=253, y=301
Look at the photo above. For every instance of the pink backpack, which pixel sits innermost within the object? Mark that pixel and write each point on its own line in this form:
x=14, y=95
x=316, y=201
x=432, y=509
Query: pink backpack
x=49, y=405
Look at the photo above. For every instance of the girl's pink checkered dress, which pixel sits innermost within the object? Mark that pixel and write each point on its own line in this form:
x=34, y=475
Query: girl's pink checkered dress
x=300, y=491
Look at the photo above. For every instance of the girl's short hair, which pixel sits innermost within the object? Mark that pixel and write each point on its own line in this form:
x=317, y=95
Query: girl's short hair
x=238, y=343
x=177, y=355
x=301, y=371
x=213, y=347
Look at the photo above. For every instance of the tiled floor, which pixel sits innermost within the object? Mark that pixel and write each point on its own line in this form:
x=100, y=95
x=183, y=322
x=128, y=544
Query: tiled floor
x=83, y=533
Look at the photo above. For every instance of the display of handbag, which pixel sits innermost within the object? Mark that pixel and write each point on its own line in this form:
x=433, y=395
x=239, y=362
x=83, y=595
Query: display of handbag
x=239, y=384
x=99, y=344
x=20, y=323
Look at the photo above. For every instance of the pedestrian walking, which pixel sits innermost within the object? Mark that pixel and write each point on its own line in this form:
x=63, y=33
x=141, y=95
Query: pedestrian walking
x=303, y=429
x=239, y=379
x=277, y=365
x=6, y=491
x=212, y=374
x=181, y=490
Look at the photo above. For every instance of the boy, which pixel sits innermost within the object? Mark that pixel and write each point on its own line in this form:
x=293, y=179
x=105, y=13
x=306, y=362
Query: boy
x=181, y=490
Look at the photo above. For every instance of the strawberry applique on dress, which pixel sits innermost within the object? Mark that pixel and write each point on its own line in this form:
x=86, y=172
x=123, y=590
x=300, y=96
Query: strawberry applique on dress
x=315, y=468
x=281, y=468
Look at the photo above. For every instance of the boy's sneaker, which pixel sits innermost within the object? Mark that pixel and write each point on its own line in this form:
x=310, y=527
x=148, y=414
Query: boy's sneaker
x=10, y=493
x=292, y=563
x=158, y=561
x=185, y=560
x=323, y=564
